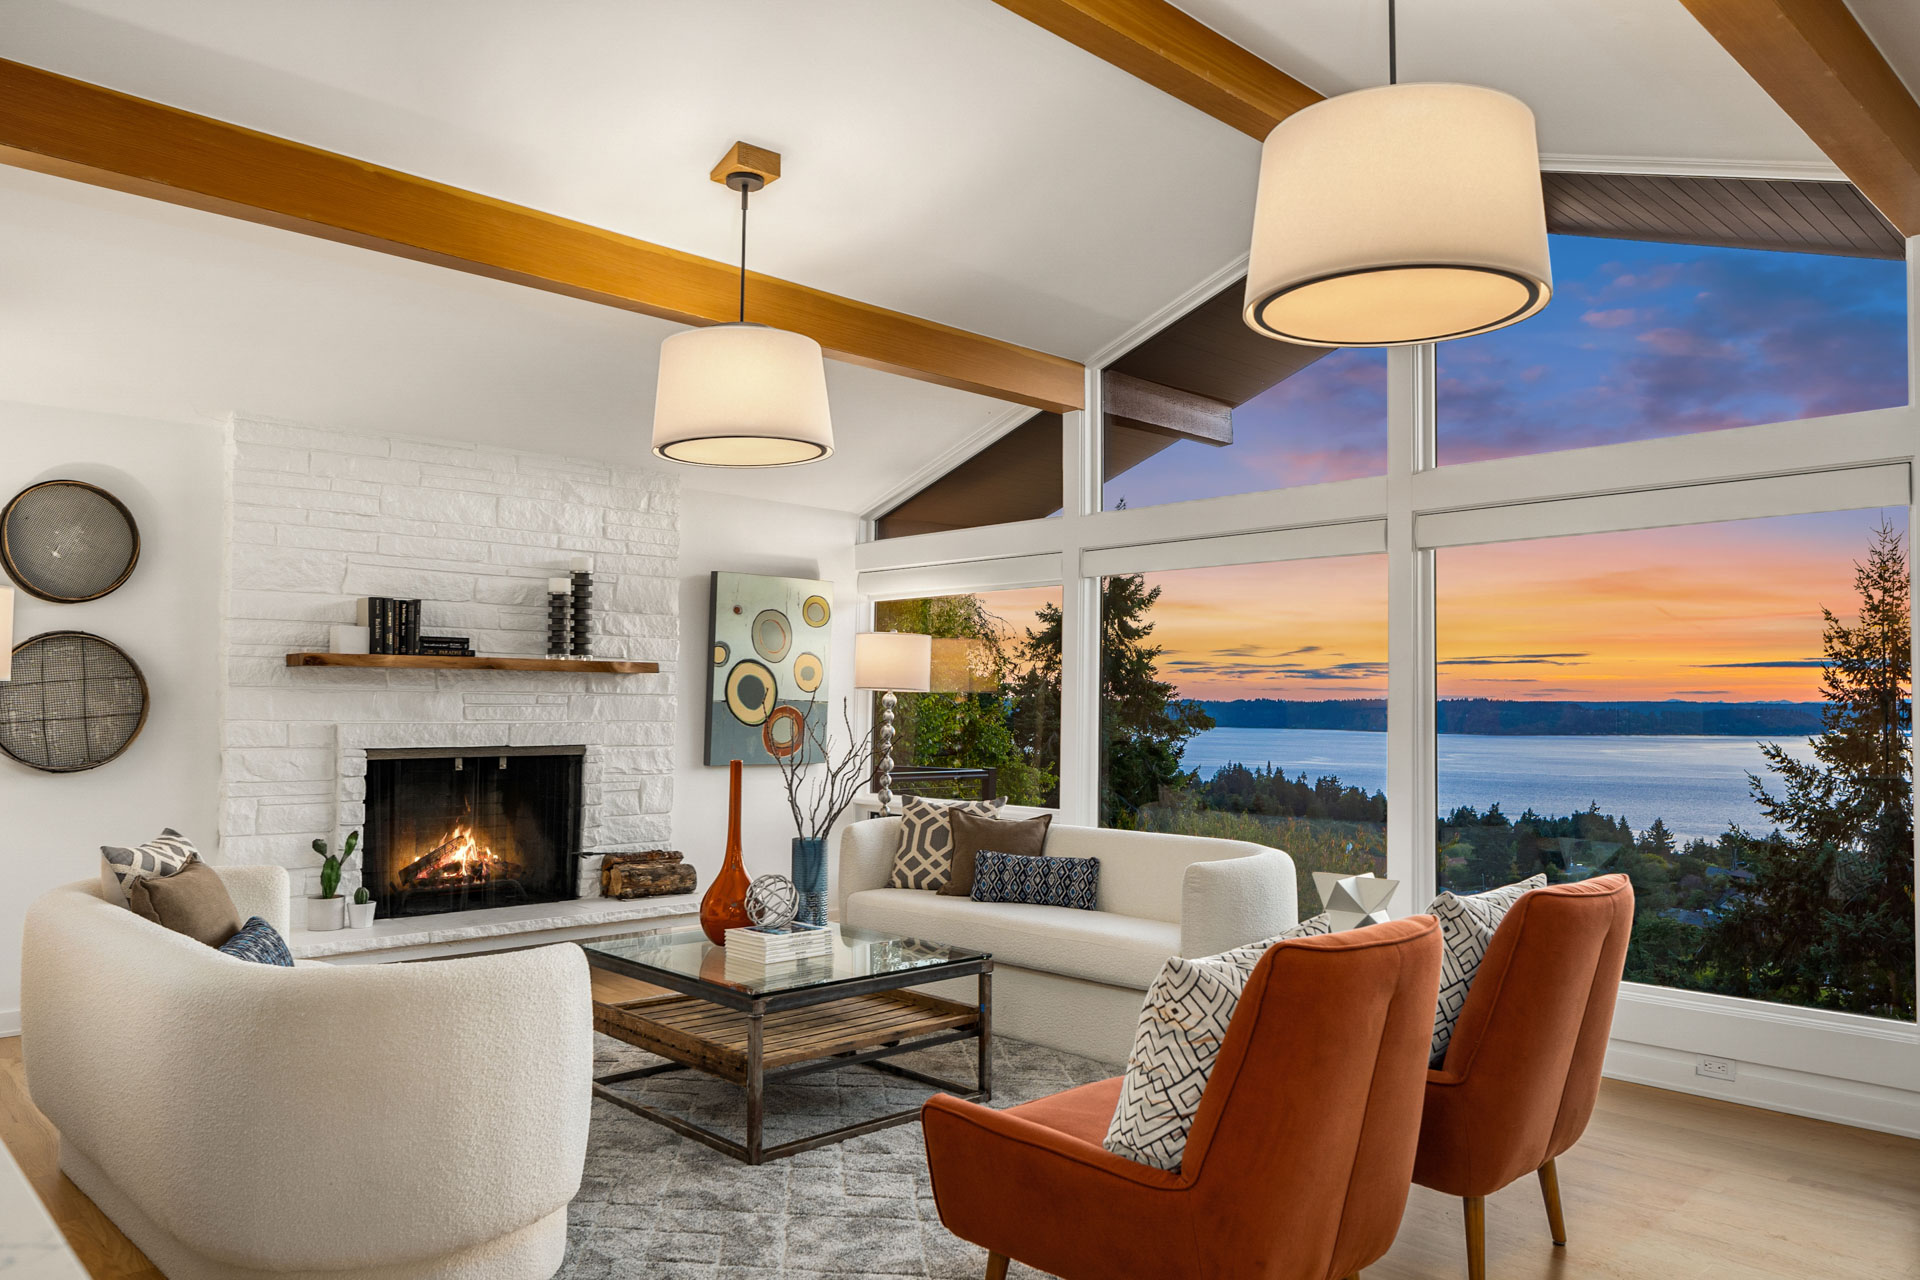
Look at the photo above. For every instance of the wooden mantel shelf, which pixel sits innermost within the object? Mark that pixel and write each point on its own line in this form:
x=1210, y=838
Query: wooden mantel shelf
x=434, y=662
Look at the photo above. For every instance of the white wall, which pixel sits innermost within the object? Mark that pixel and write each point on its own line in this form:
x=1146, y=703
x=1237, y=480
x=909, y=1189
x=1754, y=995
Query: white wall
x=167, y=619
x=742, y=535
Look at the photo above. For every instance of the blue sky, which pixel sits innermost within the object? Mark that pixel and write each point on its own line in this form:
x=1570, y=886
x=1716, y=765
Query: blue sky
x=1640, y=340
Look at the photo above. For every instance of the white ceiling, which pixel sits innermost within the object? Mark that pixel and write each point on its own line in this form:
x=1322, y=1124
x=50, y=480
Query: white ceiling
x=943, y=157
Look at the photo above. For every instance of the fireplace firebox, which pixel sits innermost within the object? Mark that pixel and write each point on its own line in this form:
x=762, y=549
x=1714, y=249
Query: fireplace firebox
x=457, y=830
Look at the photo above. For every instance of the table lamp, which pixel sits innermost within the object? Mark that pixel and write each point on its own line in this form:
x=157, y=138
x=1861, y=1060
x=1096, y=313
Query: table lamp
x=891, y=662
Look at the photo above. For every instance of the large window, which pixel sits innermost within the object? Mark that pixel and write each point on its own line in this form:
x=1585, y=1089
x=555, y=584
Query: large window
x=1248, y=702
x=1646, y=340
x=991, y=725
x=1207, y=408
x=1721, y=712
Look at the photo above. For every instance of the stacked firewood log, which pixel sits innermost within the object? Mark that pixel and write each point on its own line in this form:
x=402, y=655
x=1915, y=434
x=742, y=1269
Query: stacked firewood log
x=645, y=875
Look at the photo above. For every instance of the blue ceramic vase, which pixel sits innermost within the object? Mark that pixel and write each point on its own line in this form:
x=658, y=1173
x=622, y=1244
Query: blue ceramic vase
x=810, y=878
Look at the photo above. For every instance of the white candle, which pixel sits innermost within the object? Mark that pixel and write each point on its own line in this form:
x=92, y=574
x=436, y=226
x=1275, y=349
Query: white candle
x=583, y=564
x=559, y=586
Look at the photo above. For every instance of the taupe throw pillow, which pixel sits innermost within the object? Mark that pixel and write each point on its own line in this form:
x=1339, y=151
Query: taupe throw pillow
x=974, y=835
x=924, y=858
x=192, y=901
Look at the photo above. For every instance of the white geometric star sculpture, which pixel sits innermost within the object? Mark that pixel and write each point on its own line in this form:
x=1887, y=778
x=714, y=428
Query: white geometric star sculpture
x=1353, y=901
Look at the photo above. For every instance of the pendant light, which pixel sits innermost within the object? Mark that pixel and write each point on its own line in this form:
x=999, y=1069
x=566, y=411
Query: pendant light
x=741, y=394
x=1400, y=214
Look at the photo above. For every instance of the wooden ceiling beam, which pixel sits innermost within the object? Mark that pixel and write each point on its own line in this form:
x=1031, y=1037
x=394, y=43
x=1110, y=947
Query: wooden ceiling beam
x=1815, y=60
x=1177, y=54
x=53, y=124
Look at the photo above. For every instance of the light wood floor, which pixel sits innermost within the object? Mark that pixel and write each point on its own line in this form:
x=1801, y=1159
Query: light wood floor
x=1663, y=1185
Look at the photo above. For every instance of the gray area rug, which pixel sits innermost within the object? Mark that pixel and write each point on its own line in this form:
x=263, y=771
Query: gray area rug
x=654, y=1204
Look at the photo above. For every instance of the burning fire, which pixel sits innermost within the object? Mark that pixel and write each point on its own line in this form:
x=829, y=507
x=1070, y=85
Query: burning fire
x=458, y=859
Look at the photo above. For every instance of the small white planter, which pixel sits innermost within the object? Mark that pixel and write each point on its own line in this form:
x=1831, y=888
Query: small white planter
x=360, y=914
x=326, y=913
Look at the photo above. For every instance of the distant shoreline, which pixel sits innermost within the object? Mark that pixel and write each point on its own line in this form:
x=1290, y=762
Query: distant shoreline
x=1505, y=718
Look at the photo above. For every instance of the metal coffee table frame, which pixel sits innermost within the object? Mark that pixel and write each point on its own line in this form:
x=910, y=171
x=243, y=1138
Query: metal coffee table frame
x=754, y=1151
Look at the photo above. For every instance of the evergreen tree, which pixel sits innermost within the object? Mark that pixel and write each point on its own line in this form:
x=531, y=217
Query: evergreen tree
x=1828, y=918
x=1143, y=720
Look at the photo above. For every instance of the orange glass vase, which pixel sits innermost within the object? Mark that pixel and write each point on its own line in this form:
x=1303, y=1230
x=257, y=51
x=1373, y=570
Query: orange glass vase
x=725, y=906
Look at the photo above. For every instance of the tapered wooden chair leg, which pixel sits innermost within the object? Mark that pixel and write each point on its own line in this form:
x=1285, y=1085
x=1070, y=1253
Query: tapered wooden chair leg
x=1550, y=1192
x=1476, y=1209
x=996, y=1266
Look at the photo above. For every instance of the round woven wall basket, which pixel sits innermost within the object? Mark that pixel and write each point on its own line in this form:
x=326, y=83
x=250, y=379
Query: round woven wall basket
x=75, y=702
x=68, y=541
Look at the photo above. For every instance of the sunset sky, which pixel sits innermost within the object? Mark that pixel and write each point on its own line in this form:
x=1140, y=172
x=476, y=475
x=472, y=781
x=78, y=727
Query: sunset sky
x=1721, y=612
x=1640, y=340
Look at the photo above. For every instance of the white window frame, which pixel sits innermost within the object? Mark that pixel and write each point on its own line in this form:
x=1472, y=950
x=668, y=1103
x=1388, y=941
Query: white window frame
x=1844, y=1066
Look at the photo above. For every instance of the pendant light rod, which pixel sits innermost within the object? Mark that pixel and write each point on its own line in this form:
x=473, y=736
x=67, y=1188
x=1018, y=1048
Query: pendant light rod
x=745, y=190
x=1393, y=45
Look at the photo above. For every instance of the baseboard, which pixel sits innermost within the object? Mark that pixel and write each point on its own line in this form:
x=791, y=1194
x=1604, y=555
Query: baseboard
x=9, y=1022
x=1865, y=1106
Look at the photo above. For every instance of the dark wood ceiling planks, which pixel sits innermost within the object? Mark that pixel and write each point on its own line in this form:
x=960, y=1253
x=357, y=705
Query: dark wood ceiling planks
x=1741, y=213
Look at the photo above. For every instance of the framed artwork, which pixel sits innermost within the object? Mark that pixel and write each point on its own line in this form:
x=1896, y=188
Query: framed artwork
x=769, y=644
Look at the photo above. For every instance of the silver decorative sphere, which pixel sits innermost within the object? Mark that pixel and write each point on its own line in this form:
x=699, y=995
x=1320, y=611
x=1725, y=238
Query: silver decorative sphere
x=772, y=902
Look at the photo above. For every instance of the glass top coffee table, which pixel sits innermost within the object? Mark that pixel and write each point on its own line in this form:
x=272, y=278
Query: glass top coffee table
x=749, y=1025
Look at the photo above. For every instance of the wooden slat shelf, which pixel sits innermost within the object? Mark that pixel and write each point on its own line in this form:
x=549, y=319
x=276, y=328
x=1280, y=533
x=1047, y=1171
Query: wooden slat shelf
x=435, y=662
x=714, y=1038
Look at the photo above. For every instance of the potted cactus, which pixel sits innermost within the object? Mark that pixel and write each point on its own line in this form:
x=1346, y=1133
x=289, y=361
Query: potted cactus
x=360, y=910
x=329, y=910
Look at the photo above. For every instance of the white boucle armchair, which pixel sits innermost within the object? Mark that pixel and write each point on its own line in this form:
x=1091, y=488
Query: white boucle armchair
x=239, y=1121
x=1072, y=979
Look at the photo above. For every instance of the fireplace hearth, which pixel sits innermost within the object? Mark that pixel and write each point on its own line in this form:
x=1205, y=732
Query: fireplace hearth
x=473, y=827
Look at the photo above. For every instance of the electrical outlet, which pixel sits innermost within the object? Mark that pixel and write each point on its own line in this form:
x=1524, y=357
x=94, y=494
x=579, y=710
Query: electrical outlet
x=1714, y=1068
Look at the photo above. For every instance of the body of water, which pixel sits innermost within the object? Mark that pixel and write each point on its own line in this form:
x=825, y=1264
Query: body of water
x=1697, y=784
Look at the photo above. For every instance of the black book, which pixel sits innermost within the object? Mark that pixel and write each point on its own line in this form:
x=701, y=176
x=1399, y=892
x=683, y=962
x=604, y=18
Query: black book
x=373, y=616
x=391, y=609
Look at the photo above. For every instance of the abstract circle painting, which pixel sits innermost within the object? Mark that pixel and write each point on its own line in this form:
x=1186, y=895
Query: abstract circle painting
x=751, y=692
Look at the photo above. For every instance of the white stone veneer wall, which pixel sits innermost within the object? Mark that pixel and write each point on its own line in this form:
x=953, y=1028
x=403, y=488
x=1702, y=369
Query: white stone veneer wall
x=320, y=518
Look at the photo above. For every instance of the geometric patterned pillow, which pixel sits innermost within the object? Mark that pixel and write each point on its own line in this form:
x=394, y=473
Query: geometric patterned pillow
x=1036, y=880
x=924, y=858
x=1182, y=1026
x=259, y=942
x=1467, y=925
x=162, y=856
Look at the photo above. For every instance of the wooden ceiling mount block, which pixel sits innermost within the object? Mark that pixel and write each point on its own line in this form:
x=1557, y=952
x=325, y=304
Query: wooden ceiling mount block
x=744, y=157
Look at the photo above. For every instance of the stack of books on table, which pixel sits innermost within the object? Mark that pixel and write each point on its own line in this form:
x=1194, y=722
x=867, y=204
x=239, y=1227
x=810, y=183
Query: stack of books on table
x=761, y=948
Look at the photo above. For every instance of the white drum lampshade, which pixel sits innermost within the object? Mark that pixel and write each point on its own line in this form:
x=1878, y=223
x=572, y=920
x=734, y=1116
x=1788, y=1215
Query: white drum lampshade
x=1407, y=213
x=894, y=661
x=741, y=395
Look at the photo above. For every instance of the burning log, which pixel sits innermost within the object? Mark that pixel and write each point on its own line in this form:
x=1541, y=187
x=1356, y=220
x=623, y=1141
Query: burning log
x=457, y=860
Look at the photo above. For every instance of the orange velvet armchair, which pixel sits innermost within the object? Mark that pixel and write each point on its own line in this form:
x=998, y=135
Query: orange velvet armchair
x=1299, y=1162
x=1523, y=1069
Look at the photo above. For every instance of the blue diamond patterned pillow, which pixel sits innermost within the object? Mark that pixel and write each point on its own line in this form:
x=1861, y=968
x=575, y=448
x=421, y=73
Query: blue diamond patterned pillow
x=1036, y=880
x=259, y=942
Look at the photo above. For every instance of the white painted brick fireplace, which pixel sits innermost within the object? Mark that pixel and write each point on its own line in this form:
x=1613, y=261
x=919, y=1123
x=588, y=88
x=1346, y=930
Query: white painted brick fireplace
x=320, y=518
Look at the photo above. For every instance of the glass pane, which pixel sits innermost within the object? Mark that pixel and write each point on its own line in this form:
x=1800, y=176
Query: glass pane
x=1206, y=408
x=1720, y=712
x=991, y=725
x=1017, y=477
x=1249, y=703
x=1645, y=340
x=855, y=954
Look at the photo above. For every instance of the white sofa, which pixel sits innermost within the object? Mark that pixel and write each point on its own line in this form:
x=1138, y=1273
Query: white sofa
x=1072, y=979
x=241, y=1121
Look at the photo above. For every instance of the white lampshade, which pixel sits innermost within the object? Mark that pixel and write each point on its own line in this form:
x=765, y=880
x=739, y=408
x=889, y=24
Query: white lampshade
x=741, y=395
x=1408, y=213
x=6, y=633
x=898, y=661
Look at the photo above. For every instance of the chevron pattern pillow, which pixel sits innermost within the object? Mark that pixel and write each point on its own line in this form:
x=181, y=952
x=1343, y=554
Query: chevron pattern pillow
x=1182, y=1026
x=163, y=855
x=259, y=942
x=1467, y=924
x=924, y=859
x=1036, y=880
